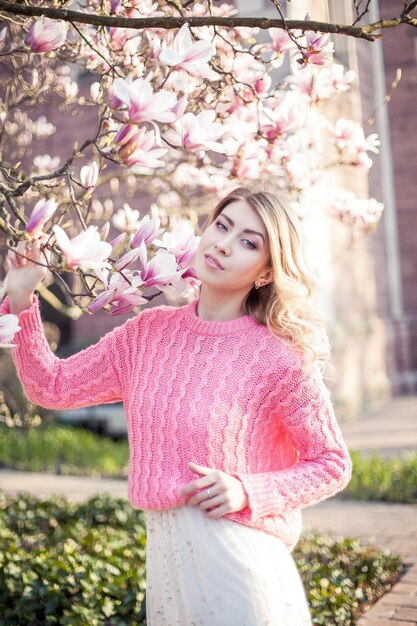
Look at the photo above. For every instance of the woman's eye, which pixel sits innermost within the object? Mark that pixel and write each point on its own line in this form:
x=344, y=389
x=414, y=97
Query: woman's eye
x=247, y=242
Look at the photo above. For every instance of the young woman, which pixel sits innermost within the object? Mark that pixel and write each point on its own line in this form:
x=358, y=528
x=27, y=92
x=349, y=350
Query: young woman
x=231, y=428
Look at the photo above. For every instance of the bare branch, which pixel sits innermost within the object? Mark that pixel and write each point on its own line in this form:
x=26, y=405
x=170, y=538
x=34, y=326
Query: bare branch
x=168, y=22
x=409, y=7
x=359, y=14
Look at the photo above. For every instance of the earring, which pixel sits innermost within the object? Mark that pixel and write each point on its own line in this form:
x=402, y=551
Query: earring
x=257, y=286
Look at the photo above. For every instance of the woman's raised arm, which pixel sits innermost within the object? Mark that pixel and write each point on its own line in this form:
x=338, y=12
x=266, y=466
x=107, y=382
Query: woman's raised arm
x=92, y=376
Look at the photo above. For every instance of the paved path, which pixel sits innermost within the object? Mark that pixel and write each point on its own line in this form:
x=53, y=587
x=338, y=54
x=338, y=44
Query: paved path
x=391, y=430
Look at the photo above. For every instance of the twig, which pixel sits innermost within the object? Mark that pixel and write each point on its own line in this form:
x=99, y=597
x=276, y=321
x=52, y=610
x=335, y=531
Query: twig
x=387, y=98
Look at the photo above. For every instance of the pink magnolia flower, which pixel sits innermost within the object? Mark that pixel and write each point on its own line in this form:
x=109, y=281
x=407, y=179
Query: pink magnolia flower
x=281, y=43
x=126, y=219
x=143, y=104
x=95, y=91
x=197, y=132
x=181, y=241
x=45, y=35
x=89, y=175
x=9, y=326
x=45, y=164
x=179, y=108
x=340, y=79
x=362, y=212
x=161, y=270
x=262, y=83
x=42, y=211
x=138, y=147
x=319, y=50
x=126, y=259
x=247, y=161
x=147, y=231
x=189, y=56
x=280, y=118
x=352, y=143
x=122, y=292
x=115, y=7
x=85, y=250
x=187, y=286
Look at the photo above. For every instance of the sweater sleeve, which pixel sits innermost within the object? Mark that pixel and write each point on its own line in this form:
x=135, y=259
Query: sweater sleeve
x=324, y=466
x=84, y=379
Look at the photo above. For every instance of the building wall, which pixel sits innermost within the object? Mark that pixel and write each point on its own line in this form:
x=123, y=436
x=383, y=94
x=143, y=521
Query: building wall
x=400, y=51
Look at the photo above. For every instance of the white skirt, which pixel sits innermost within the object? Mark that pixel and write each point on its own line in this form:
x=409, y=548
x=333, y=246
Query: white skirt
x=216, y=572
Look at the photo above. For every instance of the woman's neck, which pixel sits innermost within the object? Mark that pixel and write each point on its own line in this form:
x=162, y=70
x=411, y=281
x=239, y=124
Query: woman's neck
x=219, y=306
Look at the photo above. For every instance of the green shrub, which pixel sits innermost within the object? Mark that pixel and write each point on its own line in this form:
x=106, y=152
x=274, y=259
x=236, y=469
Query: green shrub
x=66, y=449
x=71, y=564
x=70, y=450
x=77, y=564
x=343, y=578
x=388, y=480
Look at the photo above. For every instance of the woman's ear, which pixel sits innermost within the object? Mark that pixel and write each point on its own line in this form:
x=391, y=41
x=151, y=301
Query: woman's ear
x=267, y=276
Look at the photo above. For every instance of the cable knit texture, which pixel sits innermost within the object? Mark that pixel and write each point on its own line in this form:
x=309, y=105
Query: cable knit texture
x=228, y=395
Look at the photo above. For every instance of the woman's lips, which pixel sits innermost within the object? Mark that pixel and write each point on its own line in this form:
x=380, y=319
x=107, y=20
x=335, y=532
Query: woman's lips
x=212, y=263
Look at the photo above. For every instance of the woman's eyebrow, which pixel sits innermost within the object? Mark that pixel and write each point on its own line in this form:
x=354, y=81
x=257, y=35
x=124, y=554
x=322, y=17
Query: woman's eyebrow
x=247, y=230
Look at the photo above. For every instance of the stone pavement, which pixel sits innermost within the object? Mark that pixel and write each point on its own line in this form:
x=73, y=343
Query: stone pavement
x=391, y=430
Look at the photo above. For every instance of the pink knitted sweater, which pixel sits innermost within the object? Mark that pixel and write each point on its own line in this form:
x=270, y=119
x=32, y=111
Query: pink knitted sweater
x=228, y=395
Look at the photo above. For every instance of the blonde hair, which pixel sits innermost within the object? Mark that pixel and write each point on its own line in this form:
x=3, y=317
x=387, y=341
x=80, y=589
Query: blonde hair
x=285, y=304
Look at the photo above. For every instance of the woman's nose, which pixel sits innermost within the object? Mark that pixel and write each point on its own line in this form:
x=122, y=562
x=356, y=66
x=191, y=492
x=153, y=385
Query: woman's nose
x=223, y=247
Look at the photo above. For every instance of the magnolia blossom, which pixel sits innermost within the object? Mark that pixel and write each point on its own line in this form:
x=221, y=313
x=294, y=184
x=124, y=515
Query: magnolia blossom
x=45, y=164
x=189, y=56
x=126, y=259
x=364, y=213
x=196, y=132
x=138, y=147
x=352, y=143
x=45, y=35
x=262, y=83
x=248, y=160
x=281, y=43
x=122, y=292
x=143, y=104
x=181, y=241
x=188, y=285
x=95, y=91
x=319, y=50
x=89, y=175
x=341, y=79
x=42, y=211
x=161, y=270
x=281, y=117
x=148, y=229
x=126, y=219
x=85, y=250
x=9, y=326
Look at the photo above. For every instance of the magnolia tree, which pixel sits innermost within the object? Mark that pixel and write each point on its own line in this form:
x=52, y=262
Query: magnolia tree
x=187, y=105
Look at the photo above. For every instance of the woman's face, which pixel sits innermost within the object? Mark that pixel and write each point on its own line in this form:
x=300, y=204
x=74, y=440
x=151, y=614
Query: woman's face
x=237, y=240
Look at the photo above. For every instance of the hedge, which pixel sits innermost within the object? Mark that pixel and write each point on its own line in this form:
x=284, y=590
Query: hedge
x=75, y=564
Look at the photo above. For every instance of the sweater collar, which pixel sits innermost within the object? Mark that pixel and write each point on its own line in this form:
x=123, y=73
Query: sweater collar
x=210, y=327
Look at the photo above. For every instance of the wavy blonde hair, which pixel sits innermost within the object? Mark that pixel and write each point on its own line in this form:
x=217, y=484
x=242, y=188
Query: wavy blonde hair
x=285, y=304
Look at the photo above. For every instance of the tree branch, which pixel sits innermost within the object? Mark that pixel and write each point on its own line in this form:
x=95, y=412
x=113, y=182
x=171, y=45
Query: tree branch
x=168, y=22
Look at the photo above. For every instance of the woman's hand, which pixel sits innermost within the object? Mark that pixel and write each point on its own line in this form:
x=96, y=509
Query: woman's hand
x=27, y=267
x=227, y=492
